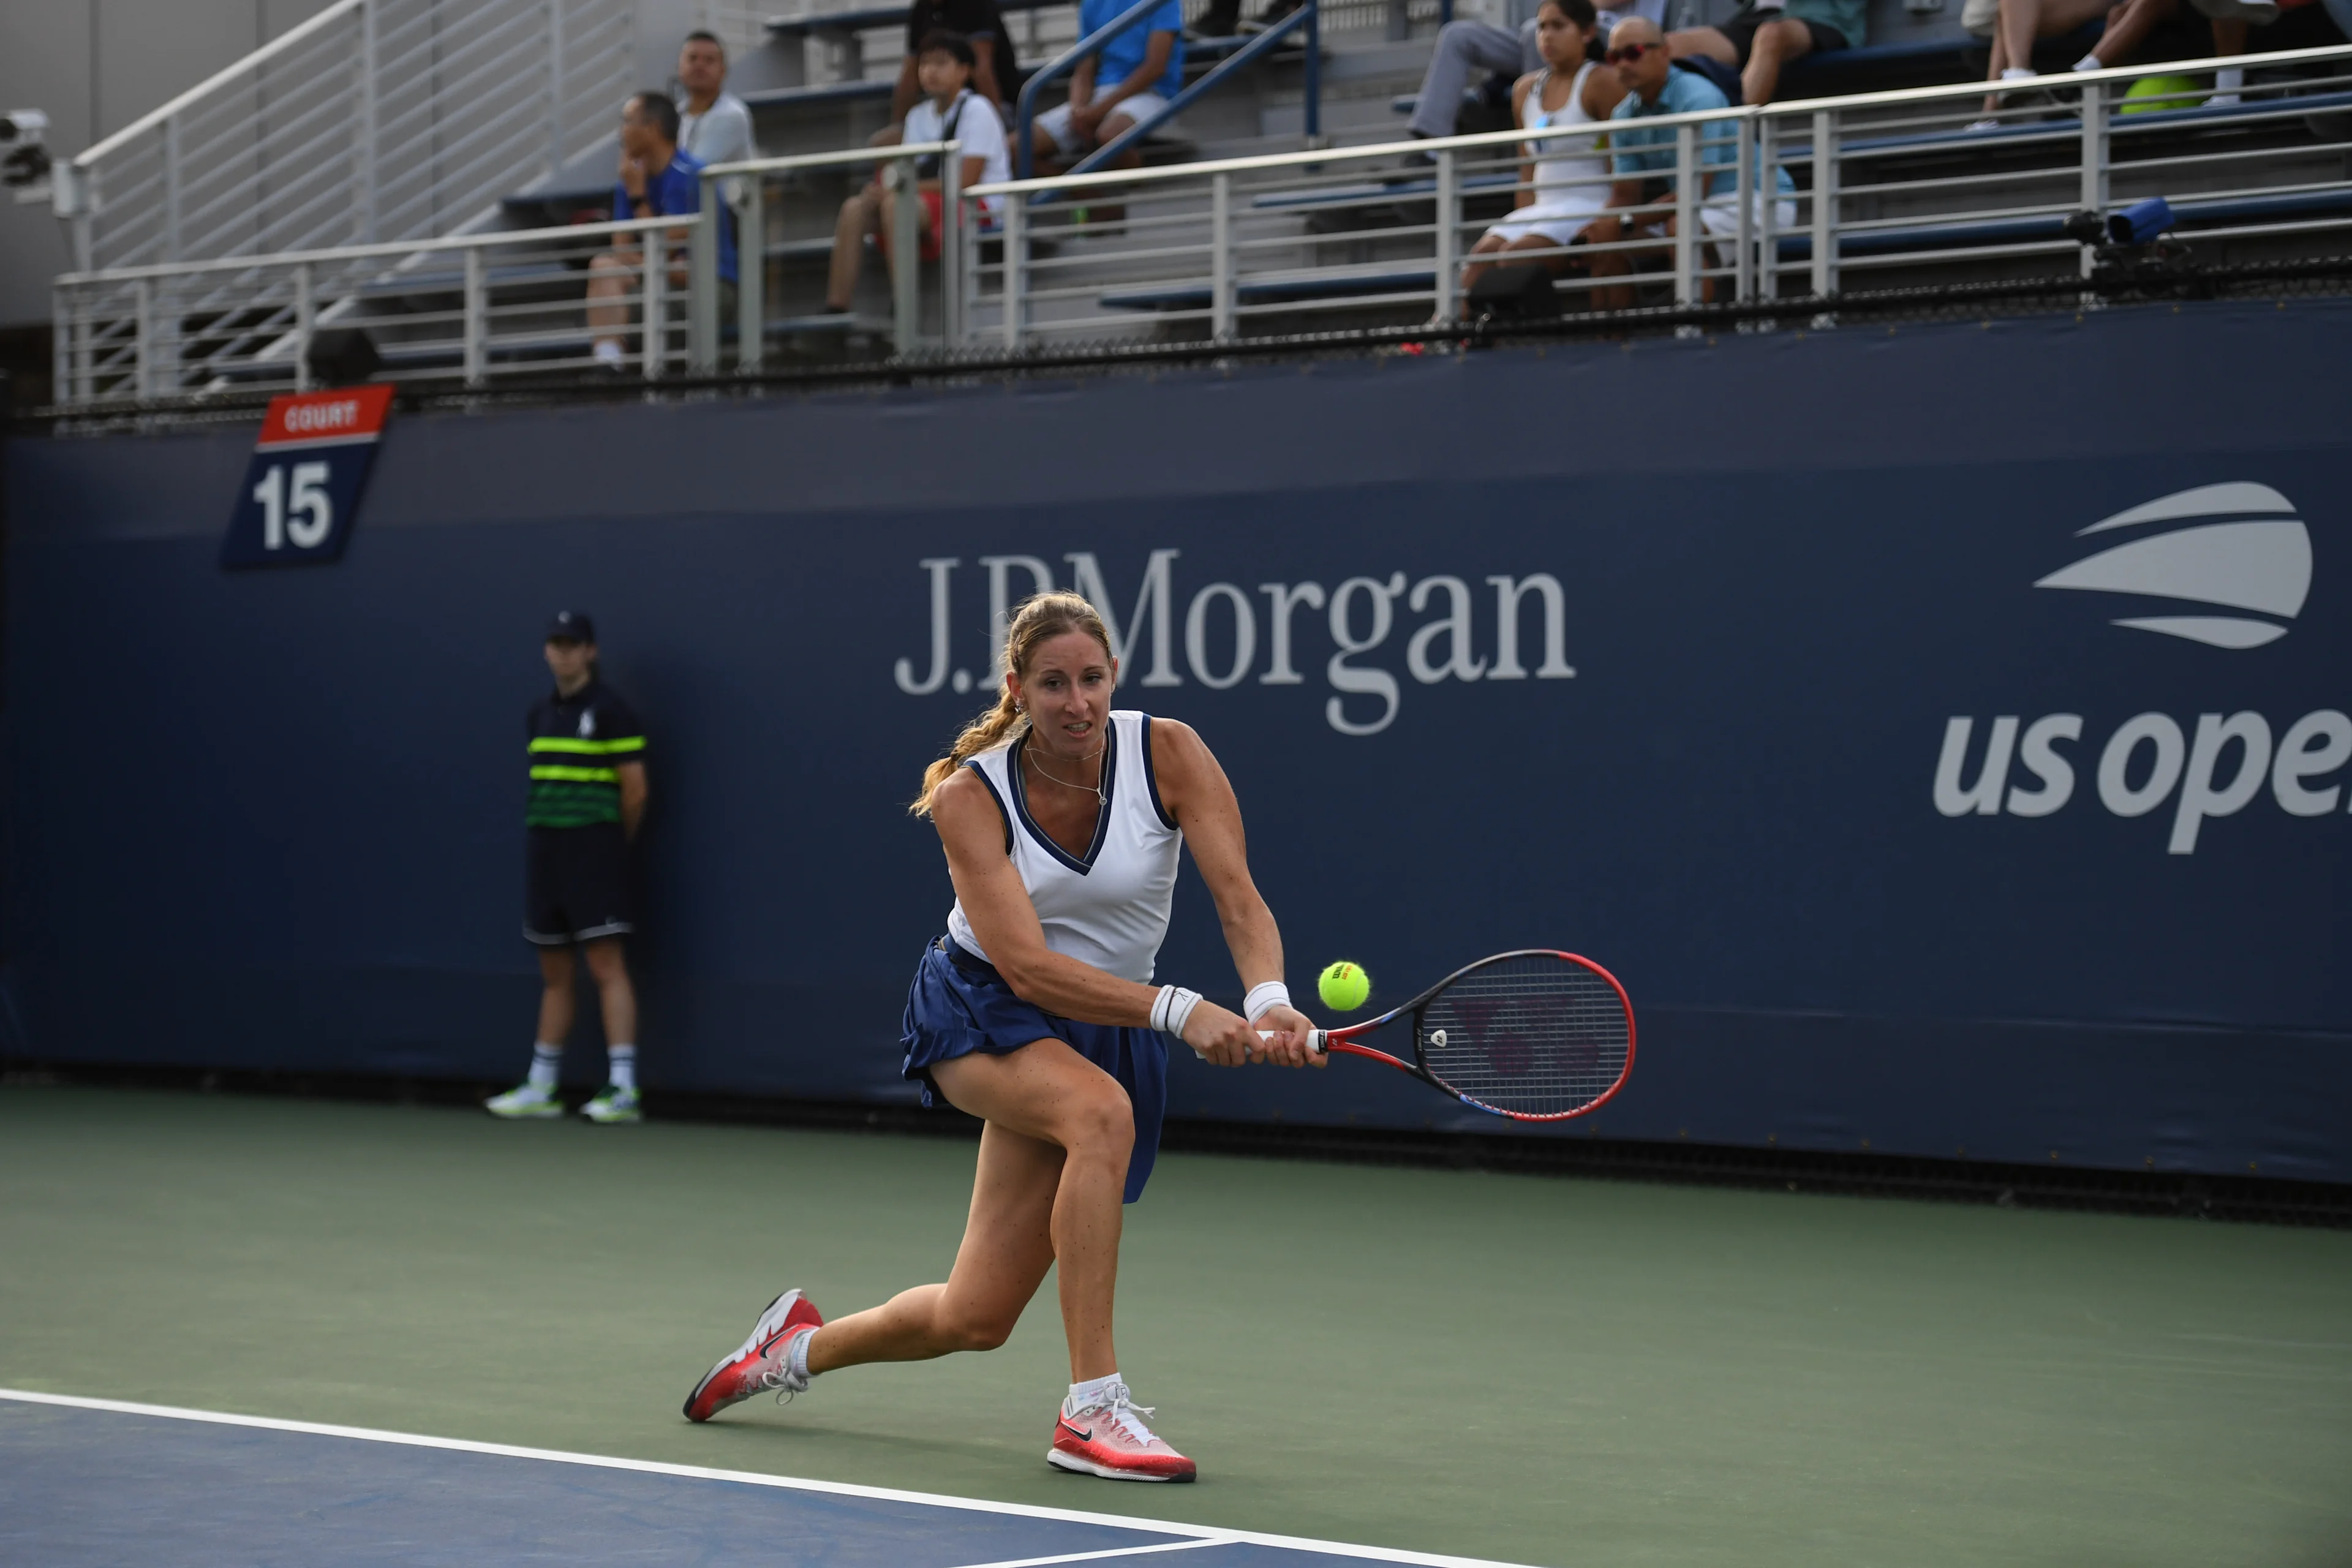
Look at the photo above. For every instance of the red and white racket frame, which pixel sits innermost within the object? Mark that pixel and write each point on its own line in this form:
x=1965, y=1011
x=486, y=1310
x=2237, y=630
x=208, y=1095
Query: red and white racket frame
x=1344, y=1039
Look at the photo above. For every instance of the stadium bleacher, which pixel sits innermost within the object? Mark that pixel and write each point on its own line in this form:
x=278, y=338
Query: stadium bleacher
x=1340, y=238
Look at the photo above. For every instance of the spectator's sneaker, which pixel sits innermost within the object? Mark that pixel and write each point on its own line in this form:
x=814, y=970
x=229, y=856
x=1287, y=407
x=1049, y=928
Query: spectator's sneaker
x=1110, y=1440
x=760, y=1362
x=613, y=1104
x=524, y=1101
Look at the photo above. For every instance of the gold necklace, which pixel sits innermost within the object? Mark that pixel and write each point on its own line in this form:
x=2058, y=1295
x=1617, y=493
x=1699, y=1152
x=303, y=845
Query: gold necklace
x=1095, y=789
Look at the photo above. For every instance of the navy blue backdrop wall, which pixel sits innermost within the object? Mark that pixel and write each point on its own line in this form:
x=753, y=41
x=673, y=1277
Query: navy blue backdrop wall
x=274, y=818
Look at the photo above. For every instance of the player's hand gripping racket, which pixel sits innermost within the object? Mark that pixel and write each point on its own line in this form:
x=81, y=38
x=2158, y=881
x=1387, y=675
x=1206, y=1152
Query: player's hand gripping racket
x=1535, y=1036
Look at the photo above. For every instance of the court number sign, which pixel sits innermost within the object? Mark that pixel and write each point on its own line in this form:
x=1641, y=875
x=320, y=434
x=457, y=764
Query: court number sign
x=301, y=491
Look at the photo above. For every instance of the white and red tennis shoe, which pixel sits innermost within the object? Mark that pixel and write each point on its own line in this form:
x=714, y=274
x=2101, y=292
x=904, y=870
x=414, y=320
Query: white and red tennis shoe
x=1107, y=1439
x=759, y=1363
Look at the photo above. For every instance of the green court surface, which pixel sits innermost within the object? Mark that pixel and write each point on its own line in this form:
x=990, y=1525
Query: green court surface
x=1529, y=1369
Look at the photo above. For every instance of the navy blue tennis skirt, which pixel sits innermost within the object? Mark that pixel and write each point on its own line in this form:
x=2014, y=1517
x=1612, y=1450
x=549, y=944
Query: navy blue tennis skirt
x=959, y=1004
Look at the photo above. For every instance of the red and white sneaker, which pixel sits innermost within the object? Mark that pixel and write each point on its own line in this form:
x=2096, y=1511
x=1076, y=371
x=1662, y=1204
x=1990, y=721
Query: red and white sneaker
x=1108, y=1438
x=759, y=1363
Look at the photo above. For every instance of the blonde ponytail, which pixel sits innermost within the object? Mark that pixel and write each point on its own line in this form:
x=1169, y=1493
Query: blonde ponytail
x=1040, y=619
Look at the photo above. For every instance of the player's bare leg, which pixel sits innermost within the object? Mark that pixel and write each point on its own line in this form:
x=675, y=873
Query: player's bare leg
x=1051, y=1188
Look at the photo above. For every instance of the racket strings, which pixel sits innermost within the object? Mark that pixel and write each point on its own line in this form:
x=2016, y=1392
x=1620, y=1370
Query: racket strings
x=1533, y=1034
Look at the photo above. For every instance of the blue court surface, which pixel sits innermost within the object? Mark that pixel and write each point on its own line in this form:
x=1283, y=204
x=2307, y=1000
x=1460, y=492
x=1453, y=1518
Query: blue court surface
x=86, y=1481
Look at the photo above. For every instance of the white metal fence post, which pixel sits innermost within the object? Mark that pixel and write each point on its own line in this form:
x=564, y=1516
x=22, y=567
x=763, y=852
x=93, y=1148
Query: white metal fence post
x=1746, y=190
x=1221, y=257
x=905, y=261
x=1688, y=187
x=752, y=274
x=305, y=317
x=1767, y=180
x=1016, y=268
x=702, y=280
x=476, y=325
x=2095, y=162
x=653, y=272
x=1449, y=200
x=1825, y=201
x=952, y=244
x=143, y=345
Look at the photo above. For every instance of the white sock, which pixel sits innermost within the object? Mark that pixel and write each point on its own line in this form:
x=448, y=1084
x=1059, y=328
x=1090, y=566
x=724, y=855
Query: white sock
x=2015, y=73
x=1092, y=1393
x=2089, y=63
x=2229, y=78
x=622, y=1070
x=608, y=351
x=546, y=1061
x=797, y=1354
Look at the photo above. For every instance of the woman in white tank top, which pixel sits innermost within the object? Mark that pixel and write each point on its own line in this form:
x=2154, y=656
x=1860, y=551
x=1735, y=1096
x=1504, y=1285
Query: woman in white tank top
x=1038, y=1012
x=1565, y=179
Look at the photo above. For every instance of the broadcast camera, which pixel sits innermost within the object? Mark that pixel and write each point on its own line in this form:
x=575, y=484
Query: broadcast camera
x=24, y=154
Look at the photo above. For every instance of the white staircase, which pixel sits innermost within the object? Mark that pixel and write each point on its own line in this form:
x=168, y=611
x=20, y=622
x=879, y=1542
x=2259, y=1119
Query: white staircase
x=374, y=121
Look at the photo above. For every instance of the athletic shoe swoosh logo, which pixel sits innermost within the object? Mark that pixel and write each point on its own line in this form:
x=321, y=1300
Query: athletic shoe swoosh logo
x=1082, y=1436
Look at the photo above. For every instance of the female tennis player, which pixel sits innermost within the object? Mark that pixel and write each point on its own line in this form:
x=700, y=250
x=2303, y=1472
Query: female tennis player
x=1036, y=1013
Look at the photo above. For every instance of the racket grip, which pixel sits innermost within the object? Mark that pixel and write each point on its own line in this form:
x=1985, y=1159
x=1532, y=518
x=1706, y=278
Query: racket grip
x=1315, y=1039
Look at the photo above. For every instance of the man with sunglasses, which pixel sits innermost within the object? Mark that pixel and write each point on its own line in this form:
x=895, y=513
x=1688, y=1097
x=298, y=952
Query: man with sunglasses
x=1763, y=36
x=1642, y=159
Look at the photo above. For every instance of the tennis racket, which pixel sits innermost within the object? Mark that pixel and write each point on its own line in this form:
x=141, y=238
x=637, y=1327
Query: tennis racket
x=1535, y=1036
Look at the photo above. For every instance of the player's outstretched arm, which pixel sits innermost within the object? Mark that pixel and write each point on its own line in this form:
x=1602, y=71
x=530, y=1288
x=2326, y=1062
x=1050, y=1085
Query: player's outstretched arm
x=1194, y=789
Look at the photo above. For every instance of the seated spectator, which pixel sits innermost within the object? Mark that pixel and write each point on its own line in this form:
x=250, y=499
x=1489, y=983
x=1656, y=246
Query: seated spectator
x=1643, y=160
x=714, y=126
x=1126, y=82
x=2014, y=26
x=1762, y=36
x=995, y=75
x=657, y=180
x=1564, y=182
x=951, y=110
x=1466, y=46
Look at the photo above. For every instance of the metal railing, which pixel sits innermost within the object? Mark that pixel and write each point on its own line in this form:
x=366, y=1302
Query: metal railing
x=1911, y=187
x=474, y=311
x=756, y=179
x=1795, y=202
x=375, y=120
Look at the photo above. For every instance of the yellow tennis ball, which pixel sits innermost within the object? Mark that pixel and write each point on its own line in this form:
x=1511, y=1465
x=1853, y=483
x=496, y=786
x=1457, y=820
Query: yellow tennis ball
x=1343, y=986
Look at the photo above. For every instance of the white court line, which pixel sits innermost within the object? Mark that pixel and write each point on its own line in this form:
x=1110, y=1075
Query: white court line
x=1196, y=1534
x=1114, y=1552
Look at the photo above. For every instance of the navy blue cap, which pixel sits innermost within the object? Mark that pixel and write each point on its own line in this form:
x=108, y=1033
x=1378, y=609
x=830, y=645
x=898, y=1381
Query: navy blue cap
x=574, y=625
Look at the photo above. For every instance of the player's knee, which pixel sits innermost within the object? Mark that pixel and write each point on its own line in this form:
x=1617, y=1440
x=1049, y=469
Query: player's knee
x=1102, y=1122
x=968, y=1331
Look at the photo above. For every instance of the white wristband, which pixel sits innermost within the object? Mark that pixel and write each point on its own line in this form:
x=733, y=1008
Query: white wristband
x=1171, y=1008
x=1264, y=999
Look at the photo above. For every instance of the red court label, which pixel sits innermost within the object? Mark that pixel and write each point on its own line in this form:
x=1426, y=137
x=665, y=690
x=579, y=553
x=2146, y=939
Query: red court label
x=354, y=414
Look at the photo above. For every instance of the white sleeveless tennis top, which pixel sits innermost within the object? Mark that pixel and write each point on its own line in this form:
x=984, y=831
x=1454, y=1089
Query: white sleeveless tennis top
x=1108, y=908
x=1572, y=172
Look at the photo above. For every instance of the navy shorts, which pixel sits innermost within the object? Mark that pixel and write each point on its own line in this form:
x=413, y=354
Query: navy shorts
x=959, y=1004
x=576, y=885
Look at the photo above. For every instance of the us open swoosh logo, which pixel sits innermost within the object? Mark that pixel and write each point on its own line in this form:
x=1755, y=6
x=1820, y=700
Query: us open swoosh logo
x=2236, y=546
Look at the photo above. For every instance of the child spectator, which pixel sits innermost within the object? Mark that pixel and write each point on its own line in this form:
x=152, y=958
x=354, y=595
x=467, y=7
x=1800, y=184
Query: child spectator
x=1128, y=80
x=951, y=110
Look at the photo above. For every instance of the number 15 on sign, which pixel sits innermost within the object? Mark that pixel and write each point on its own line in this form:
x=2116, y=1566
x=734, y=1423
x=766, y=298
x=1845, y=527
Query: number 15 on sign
x=312, y=507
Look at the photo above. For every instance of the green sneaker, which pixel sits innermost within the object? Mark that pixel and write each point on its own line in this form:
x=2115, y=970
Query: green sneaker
x=613, y=1104
x=526, y=1102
